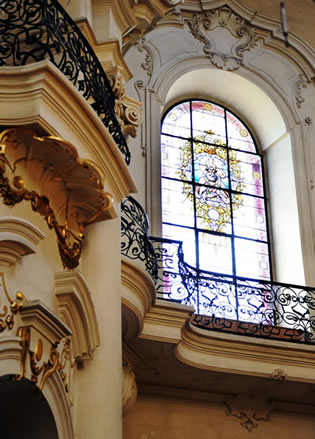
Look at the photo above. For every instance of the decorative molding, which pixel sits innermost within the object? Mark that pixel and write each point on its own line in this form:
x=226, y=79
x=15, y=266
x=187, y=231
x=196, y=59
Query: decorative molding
x=138, y=294
x=301, y=83
x=128, y=110
x=59, y=360
x=76, y=308
x=18, y=237
x=8, y=312
x=208, y=30
x=46, y=346
x=147, y=64
x=279, y=375
x=165, y=321
x=249, y=421
x=205, y=350
x=72, y=189
x=129, y=387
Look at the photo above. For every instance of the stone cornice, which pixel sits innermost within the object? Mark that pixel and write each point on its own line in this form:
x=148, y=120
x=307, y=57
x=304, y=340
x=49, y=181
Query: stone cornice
x=240, y=354
x=165, y=320
x=138, y=293
x=47, y=100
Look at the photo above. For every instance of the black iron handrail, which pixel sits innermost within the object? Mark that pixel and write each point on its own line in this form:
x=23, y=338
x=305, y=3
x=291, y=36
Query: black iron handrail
x=34, y=30
x=135, y=243
x=255, y=307
x=235, y=304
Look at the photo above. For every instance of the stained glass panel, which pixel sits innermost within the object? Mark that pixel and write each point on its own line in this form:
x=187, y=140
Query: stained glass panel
x=214, y=187
x=249, y=218
x=251, y=259
x=246, y=173
x=177, y=121
x=187, y=236
x=215, y=253
x=177, y=208
x=208, y=123
x=213, y=209
x=172, y=158
x=238, y=135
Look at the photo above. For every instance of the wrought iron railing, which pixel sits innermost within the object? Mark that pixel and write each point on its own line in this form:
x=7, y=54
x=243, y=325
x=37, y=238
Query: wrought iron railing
x=234, y=304
x=135, y=243
x=222, y=303
x=34, y=30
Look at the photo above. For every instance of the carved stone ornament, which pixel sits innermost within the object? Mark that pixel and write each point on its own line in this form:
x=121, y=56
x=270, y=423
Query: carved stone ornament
x=248, y=419
x=128, y=110
x=225, y=36
x=299, y=85
x=9, y=310
x=279, y=375
x=147, y=64
x=43, y=363
x=66, y=191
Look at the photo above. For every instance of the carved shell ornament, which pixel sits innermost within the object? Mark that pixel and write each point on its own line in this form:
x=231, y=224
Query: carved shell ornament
x=225, y=36
x=66, y=190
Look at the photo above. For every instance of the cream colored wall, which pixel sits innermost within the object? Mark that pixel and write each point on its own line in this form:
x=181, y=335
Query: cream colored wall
x=300, y=15
x=161, y=418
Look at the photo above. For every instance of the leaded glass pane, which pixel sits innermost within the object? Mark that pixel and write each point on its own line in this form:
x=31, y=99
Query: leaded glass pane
x=177, y=208
x=246, y=173
x=249, y=217
x=187, y=236
x=210, y=165
x=177, y=121
x=215, y=253
x=173, y=162
x=238, y=135
x=213, y=209
x=208, y=123
x=251, y=259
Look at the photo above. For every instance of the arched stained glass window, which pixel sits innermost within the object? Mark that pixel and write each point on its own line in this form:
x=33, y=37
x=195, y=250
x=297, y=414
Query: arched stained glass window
x=213, y=196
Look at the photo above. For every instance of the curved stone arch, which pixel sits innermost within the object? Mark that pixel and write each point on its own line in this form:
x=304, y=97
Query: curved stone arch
x=286, y=95
x=53, y=391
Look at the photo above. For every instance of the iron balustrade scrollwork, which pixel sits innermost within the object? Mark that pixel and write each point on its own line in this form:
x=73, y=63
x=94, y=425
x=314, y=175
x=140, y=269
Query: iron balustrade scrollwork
x=234, y=304
x=34, y=30
x=135, y=243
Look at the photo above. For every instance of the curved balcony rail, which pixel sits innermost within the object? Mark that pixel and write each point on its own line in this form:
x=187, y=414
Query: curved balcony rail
x=222, y=303
x=34, y=30
x=135, y=243
x=234, y=304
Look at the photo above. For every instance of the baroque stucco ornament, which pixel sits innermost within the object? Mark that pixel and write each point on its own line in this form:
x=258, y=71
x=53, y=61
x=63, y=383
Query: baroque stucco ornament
x=225, y=36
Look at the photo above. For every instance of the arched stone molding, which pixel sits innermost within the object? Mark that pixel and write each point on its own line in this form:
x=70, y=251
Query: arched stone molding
x=76, y=308
x=18, y=237
x=138, y=294
x=39, y=352
x=282, y=78
x=10, y=364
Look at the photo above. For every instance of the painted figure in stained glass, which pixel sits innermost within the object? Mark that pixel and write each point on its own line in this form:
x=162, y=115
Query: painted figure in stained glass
x=212, y=180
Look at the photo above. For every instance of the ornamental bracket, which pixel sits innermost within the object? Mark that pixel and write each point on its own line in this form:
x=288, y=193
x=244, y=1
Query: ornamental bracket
x=66, y=190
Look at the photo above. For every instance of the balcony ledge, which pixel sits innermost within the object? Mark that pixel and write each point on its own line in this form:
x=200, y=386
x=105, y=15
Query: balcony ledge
x=39, y=96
